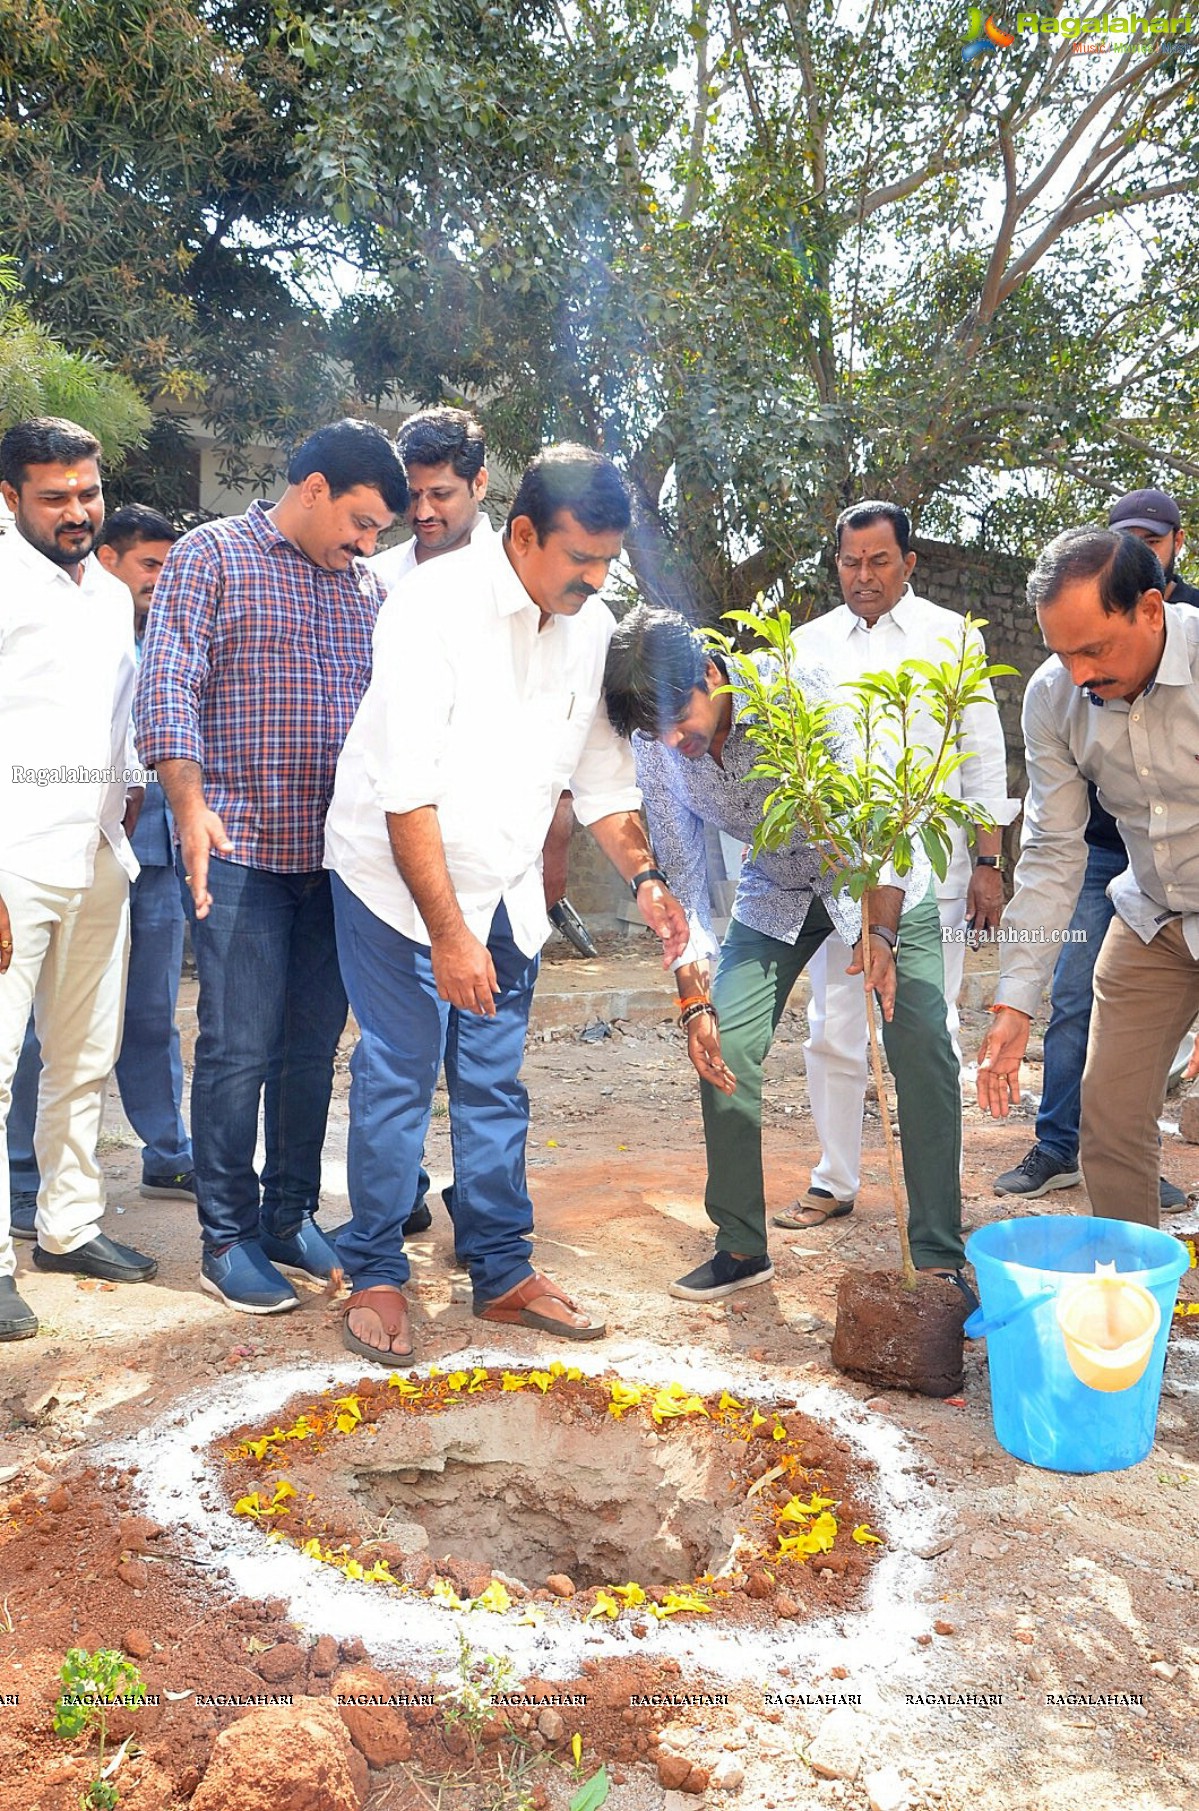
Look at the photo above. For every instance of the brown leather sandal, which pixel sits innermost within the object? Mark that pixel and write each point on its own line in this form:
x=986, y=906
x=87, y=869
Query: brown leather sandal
x=512, y=1309
x=387, y=1301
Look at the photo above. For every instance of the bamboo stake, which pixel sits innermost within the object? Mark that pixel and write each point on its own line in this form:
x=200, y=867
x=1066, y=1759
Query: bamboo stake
x=898, y=1196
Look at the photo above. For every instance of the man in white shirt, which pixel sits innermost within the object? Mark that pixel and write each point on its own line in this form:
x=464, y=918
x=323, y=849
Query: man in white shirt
x=882, y=625
x=445, y=459
x=484, y=706
x=68, y=796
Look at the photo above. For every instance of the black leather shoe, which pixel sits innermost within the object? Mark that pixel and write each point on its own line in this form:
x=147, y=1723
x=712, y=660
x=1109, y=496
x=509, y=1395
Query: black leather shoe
x=100, y=1257
x=17, y=1319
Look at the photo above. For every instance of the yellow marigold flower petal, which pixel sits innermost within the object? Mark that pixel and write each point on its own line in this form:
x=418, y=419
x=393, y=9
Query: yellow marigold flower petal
x=863, y=1536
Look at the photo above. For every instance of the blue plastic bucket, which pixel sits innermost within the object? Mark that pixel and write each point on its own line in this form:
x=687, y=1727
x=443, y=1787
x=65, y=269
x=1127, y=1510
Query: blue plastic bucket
x=1042, y=1412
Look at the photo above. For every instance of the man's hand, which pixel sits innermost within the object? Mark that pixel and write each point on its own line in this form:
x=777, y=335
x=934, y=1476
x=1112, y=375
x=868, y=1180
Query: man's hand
x=703, y=1047
x=881, y=976
x=199, y=833
x=134, y=801
x=999, y=1060
x=665, y=918
x=555, y=856
x=1188, y=1074
x=984, y=901
x=5, y=938
x=464, y=972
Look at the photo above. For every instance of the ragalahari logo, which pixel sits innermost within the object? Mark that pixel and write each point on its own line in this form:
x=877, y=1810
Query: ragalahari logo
x=983, y=36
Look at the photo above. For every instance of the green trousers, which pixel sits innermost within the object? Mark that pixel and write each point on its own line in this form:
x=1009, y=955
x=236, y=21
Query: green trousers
x=753, y=983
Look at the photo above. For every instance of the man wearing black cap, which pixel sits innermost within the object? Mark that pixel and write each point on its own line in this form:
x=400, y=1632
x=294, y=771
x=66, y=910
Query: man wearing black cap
x=1052, y=1162
x=1153, y=517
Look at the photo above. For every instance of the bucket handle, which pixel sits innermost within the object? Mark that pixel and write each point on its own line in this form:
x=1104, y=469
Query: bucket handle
x=978, y=1326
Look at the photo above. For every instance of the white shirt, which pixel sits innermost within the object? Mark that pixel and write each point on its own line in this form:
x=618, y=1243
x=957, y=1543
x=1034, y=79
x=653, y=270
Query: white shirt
x=66, y=685
x=398, y=562
x=473, y=710
x=918, y=629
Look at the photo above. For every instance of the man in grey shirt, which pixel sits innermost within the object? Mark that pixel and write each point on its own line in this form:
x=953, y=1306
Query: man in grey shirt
x=1116, y=704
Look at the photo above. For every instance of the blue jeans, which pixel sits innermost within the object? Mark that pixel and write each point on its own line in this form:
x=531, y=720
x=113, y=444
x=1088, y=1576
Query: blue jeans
x=271, y=1009
x=405, y=1027
x=149, y=1069
x=1070, y=1009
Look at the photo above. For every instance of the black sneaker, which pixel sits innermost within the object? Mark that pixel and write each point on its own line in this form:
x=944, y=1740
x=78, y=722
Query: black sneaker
x=169, y=1188
x=1036, y=1174
x=722, y=1275
x=419, y=1220
x=1171, y=1200
x=24, y=1213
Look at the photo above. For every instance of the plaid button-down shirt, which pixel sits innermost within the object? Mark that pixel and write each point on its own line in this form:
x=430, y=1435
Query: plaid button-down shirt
x=254, y=664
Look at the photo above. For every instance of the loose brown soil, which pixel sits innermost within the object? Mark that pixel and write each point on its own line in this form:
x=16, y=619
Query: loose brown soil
x=1045, y=1655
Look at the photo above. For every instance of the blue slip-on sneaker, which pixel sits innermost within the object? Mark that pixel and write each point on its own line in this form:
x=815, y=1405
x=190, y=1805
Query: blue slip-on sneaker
x=181, y=1187
x=306, y=1253
x=23, y=1207
x=722, y=1275
x=244, y=1278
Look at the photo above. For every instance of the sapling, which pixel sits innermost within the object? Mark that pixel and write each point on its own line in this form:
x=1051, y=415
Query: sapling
x=855, y=781
x=92, y=1685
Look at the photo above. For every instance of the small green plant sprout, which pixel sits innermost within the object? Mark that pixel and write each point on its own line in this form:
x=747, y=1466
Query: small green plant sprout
x=94, y=1684
x=858, y=780
x=476, y=1680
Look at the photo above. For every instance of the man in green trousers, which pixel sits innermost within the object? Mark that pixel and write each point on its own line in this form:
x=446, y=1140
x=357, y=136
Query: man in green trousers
x=664, y=691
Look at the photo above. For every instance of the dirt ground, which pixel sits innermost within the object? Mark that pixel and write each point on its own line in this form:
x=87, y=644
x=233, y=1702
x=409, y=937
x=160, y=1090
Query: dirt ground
x=1040, y=1644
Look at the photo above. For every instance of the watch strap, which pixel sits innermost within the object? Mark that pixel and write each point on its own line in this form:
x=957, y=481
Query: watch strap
x=639, y=880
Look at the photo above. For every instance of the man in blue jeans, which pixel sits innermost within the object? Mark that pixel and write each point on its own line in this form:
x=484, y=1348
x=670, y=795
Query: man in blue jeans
x=483, y=708
x=1052, y=1162
x=257, y=656
x=133, y=545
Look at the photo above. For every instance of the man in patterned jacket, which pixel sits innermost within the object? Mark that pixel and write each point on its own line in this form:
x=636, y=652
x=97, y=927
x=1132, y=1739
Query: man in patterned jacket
x=693, y=757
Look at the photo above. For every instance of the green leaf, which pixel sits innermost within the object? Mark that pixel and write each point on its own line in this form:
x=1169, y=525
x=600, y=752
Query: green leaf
x=593, y=1793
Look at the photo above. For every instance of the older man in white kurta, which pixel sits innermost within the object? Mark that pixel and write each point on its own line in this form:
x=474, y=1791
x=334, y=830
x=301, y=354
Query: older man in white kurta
x=881, y=626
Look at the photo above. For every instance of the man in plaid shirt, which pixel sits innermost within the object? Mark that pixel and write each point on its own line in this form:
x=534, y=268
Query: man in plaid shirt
x=256, y=659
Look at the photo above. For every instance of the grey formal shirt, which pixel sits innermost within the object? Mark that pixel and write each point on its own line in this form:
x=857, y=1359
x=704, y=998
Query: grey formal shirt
x=774, y=890
x=1144, y=760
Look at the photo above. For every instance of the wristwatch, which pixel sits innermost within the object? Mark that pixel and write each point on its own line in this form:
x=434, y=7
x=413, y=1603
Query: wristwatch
x=889, y=937
x=989, y=861
x=639, y=880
